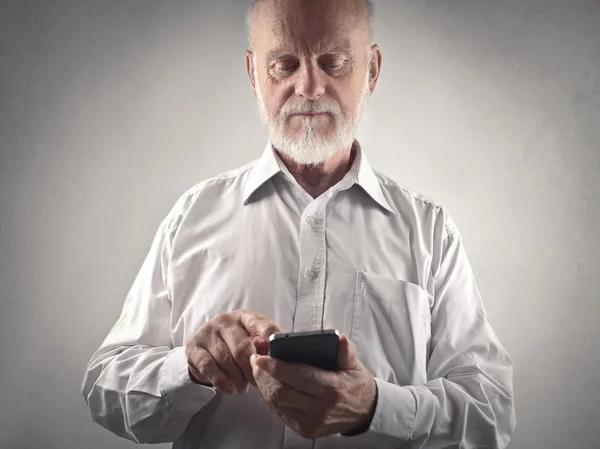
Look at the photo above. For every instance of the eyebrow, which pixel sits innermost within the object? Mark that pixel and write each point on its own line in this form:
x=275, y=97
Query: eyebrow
x=339, y=50
x=279, y=52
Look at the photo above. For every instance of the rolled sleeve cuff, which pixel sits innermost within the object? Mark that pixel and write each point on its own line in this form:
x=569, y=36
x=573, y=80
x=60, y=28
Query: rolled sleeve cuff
x=177, y=387
x=394, y=417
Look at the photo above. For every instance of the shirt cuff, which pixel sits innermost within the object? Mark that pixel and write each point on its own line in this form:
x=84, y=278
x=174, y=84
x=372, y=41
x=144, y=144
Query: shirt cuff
x=394, y=417
x=178, y=388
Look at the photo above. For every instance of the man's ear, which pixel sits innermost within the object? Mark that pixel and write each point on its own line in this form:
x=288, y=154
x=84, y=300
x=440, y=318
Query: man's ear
x=374, y=66
x=250, y=69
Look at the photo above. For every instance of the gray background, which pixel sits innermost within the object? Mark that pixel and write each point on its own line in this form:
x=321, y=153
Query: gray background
x=109, y=110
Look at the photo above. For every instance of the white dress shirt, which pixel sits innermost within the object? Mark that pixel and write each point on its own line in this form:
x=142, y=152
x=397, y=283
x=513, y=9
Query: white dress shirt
x=369, y=257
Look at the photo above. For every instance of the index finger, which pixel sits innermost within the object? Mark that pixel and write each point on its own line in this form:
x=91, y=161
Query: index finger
x=257, y=324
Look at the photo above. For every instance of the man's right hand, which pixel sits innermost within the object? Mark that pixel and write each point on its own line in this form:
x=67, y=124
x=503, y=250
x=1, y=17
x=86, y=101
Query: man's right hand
x=219, y=352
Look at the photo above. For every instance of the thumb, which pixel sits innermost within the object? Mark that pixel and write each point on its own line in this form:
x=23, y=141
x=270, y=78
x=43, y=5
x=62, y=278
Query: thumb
x=262, y=346
x=347, y=354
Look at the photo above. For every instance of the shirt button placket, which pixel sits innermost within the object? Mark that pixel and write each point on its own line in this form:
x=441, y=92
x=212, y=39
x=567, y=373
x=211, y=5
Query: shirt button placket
x=310, y=291
x=312, y=263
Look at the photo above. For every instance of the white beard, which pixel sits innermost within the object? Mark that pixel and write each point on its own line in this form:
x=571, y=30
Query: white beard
x=308, y=147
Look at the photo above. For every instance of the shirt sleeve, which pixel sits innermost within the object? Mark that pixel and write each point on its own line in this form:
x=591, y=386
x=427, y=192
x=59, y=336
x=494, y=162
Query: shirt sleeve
x=137, y=383
x=468, y=399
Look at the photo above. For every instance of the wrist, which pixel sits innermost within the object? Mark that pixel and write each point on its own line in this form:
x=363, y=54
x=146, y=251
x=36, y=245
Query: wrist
x=196, y=381
x=365, y=422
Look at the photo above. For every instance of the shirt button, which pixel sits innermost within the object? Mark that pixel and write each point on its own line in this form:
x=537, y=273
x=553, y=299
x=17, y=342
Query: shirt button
x=311, y=220
x=311, y=274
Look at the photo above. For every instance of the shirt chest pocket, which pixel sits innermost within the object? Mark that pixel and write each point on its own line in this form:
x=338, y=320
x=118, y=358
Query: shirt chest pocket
x=391, y=328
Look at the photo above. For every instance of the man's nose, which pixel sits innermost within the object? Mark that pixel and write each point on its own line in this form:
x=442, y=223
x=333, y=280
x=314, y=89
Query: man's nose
x=310, y=83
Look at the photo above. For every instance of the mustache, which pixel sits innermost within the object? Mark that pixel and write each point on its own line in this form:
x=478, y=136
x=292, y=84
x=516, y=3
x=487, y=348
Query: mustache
x=311, y=107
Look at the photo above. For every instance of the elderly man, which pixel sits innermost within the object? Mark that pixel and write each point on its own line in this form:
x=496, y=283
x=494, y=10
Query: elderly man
x=306, y=237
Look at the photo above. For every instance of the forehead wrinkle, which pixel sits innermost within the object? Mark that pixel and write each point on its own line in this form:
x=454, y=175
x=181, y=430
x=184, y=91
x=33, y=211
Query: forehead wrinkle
x=314, y=18
x=322, y=17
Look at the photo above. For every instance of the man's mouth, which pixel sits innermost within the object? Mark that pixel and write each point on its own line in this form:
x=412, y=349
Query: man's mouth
x=311, y=114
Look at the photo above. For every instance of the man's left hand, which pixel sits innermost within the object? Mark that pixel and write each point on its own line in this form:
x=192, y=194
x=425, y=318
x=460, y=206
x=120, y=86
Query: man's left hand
x=316, y=402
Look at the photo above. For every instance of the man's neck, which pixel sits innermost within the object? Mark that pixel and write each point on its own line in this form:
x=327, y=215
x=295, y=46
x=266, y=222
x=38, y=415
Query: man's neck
x=318, y=179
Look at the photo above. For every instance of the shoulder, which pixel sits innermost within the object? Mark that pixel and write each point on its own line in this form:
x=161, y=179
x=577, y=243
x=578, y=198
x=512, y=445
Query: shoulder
x=208, y=189
x=402, y=195
x=398, y=188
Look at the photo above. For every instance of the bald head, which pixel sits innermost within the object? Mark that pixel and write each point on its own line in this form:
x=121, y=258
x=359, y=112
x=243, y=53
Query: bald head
x=346, y=13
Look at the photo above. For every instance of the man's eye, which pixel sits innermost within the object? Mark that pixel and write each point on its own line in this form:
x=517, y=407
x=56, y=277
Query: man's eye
x=333, y=65
x=286, y=67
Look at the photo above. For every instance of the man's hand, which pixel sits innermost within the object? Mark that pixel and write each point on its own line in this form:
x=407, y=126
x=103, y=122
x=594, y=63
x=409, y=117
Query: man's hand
x=315, y=402
x=219, y=352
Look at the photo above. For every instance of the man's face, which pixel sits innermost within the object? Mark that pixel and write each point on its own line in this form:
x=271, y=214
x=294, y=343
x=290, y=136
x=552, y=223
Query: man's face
x=311, y=66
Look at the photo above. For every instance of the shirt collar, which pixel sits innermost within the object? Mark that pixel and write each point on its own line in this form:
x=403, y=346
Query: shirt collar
x=366, y=178
x=360, y=173
x=265, y=168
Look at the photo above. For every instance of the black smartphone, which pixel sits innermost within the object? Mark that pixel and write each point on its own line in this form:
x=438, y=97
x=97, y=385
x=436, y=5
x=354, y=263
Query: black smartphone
x=316, y=348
